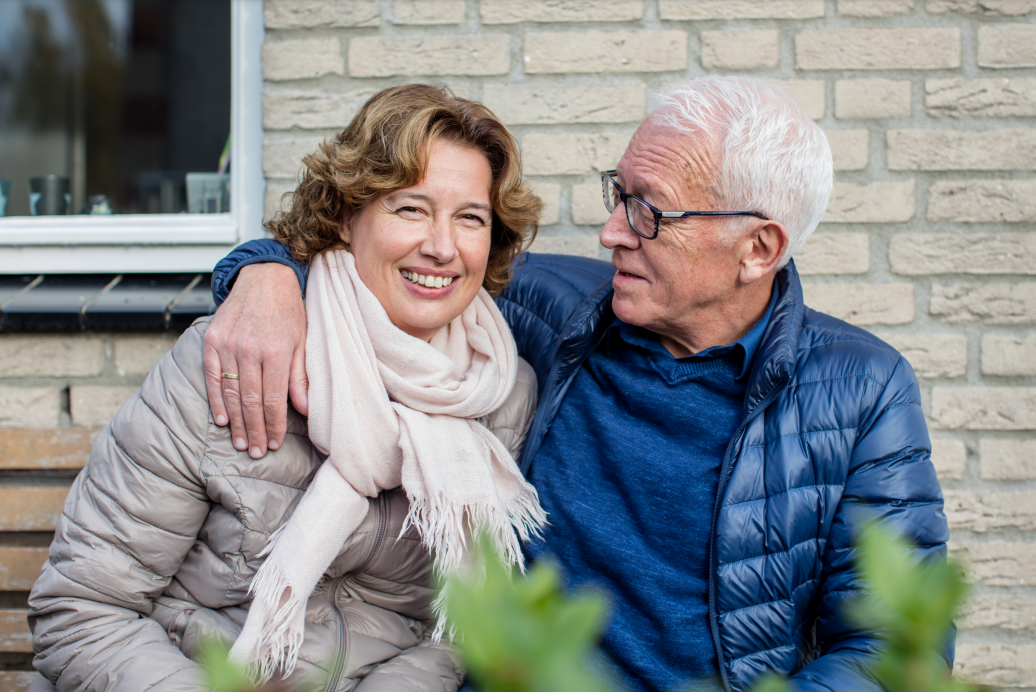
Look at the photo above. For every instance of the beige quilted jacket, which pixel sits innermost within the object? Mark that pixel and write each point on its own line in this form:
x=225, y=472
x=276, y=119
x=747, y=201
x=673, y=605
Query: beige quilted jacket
x=158, y=540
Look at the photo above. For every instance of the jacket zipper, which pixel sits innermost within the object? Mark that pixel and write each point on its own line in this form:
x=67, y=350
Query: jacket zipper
x=725, y=471
x=336, y=671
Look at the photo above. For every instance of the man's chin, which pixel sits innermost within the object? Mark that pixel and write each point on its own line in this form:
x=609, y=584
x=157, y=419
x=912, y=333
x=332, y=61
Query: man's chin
x=629, y=309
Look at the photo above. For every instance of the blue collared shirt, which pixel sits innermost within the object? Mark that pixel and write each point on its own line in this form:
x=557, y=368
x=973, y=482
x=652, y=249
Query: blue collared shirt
x=629, y=473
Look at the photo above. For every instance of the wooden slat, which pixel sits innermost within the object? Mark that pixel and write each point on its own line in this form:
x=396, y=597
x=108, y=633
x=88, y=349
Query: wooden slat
x=19, y=567
x=17, y=680
x=31, y=507
x=55, y=448
x=14, y=631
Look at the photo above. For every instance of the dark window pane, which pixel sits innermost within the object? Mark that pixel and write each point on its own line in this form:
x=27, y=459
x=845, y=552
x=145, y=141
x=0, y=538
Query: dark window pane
x=122, y=97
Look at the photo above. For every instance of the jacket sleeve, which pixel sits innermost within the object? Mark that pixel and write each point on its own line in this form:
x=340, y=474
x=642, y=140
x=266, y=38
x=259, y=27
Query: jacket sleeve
x=426, y=667
x=128, y=522
x=253, y=252
x=891, y=479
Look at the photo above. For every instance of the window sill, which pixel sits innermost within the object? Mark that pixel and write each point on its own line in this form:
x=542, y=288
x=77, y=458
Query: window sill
x=129, y=229
x=89, y=302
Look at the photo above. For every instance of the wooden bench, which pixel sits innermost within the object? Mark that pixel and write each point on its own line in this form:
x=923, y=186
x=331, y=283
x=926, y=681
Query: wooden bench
x=36, y=470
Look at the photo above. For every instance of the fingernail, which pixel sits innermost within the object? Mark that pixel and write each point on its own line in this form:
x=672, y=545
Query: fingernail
x=240, y=443
x=255, y=452
x=274, y=444
x=221, y=420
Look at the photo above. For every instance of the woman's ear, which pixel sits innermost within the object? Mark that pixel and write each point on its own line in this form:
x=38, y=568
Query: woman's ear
x=346, y=233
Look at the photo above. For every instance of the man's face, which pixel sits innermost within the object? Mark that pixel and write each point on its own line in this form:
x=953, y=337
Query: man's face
x=686, y=276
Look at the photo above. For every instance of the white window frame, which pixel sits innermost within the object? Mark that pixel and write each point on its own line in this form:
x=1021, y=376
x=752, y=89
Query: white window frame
x=163, y=242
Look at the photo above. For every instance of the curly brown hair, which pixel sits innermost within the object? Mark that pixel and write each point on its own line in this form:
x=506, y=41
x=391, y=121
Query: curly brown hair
x=385, y=148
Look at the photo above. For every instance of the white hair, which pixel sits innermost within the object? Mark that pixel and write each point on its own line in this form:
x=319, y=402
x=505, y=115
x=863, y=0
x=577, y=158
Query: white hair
x=773, y=158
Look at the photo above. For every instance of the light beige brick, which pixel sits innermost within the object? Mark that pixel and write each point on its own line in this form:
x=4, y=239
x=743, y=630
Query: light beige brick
x=849, y=148
x=997, y=563
x=962, y=150
x=550, y=194
x=682, y=10
x=1010, y=612
x=878, y=49
x=580, y=245
x=880, y=202
x=977, y=201
x=605, y=51
x=740, y=49
x=588, y=205
x=572, y=154
x=274, y=200
x=835, y=253
x=618, y=101
x=863, y=304
x=997, y=303
x=808, y=93
x=1007, y=8
x=874, y=8
x=1007, y=460
x=285, y=108
x=25, y=355
x=428, y=11
x=932, y=355
x=515, y=11
x=1004, y=355
x=1007, y=45
x=96, y=405
x=313, y=14
x=992, y=98
x=429, y=54
x=29, y=407
x=872, y=98
x=302, y=58
x=1002, y=665
x=950, y=458
x=963, y=253
x=136, y=355
x=282, y=156
x=984, y=408
x=983, y=512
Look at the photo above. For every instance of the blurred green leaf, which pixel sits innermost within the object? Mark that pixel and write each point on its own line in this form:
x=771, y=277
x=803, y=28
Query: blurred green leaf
x=220, y=674
x=521, y=635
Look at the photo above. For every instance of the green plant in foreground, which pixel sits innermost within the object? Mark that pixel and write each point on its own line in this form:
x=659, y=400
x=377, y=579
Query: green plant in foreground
x=912, y=606
x=518, y=635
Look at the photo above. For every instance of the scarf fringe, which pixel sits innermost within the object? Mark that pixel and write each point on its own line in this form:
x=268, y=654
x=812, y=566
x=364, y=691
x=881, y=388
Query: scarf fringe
x=441, y=525
x=280, y=638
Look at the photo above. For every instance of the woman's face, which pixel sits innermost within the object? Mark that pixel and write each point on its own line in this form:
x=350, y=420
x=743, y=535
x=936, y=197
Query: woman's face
x=423, y=250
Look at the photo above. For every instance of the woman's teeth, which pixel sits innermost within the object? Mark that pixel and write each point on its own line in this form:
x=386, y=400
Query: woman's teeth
x=428, y=281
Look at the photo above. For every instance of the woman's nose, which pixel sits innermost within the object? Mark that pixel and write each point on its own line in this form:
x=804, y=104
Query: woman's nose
x=441, y=243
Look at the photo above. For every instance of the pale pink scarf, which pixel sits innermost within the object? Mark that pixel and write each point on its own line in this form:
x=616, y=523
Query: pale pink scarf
x=389, y=409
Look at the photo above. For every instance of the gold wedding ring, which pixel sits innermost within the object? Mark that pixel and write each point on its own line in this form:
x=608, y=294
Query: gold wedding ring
x=230, y=376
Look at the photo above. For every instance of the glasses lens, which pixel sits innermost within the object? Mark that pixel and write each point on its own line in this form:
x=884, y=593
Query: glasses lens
x=611, y=194
x=640, y=217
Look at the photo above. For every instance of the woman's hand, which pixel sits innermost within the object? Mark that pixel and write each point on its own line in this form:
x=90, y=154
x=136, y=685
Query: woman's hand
x=258, y=334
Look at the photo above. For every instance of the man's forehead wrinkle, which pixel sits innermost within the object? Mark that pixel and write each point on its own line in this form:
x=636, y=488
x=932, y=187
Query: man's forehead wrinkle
x=682, y=164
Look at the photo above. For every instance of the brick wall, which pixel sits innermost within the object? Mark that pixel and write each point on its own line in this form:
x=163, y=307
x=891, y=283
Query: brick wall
x=929, y=106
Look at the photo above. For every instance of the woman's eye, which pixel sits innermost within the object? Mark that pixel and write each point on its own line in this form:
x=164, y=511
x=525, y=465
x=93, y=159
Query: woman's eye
x=474, y=219
x=408, y=210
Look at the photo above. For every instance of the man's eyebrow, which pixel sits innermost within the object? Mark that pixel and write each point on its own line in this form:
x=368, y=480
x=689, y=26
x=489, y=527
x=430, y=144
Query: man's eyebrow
x=421, y=197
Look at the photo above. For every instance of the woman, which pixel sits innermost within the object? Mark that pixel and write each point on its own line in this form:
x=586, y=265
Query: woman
x=410, y=215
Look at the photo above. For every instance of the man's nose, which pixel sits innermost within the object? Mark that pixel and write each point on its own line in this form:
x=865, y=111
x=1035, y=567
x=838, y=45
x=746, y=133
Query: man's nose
x=441, y=243
x=617, y=231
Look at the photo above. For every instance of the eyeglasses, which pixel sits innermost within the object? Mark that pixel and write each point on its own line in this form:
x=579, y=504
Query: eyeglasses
x=643, y=218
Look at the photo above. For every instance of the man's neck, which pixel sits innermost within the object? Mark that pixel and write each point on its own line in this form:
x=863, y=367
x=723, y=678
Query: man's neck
x=720, y=325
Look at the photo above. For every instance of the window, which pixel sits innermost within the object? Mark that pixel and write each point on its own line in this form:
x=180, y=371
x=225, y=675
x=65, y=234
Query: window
x=147, y=109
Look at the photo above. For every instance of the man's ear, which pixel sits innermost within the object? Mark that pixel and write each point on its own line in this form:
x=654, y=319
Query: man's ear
x=762, y=249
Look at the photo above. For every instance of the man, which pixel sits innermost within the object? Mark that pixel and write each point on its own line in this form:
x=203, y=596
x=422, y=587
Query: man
x=705, y=445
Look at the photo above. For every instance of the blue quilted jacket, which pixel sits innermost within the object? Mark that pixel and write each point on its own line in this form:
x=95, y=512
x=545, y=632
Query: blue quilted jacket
x=832, y=435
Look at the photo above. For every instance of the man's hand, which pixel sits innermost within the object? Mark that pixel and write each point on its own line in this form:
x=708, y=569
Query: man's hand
x=258, y=334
